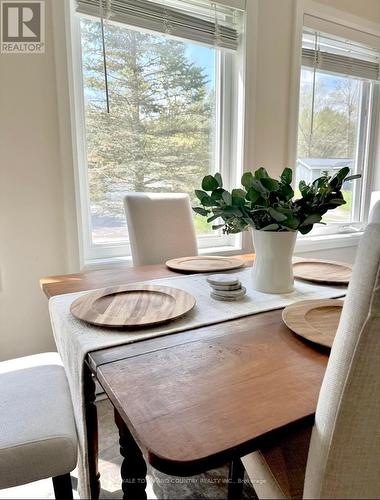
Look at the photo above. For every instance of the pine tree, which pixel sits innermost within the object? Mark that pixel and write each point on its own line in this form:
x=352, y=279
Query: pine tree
x=158, y=133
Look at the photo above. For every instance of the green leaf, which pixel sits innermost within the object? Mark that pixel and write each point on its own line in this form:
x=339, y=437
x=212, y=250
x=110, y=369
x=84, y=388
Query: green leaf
x=209, y=183
x=217, y=194
x=232, y=211
x=238, y=197
x=200, y=194
x=311, y=219
x=337, y=201
x=279, y=217
x=239, y=193
x=247, y=180
x=321, y=183
x=207, y=201
x=292, y=222
x=287, y=176
x=218, y=179
x=252, y=195
x=262, y=201
x=261, y=173
x=302, y=185
x=227, y=198
x=337, y=180
x=270, y=184
x=258, y=186
x=305, y=229
x=270, y=227
x=200, y=211
x=305, y=189
x=286, y=191
x=213, y=217
x=343, y=172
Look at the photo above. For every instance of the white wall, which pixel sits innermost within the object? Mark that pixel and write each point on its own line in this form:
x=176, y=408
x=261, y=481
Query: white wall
x=32, y=241
x=368, y=9
x=272, y=84
x=37, y=206
x=346, y=254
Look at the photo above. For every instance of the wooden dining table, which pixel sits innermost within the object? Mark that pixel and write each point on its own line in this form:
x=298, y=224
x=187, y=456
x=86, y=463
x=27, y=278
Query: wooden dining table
x=198, y=399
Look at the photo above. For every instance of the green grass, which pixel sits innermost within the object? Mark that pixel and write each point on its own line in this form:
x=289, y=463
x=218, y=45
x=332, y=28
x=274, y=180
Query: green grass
x=201, y=225
x=347, y=195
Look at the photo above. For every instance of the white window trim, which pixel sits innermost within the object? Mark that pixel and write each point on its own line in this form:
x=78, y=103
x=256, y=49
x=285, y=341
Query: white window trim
x=214, y=243
x=69, y=89
x=310, y=7
x=70, y=152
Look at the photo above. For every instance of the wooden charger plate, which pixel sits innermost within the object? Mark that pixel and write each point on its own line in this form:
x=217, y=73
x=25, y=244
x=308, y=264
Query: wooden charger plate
x=315, y=320
x=322, y=271
x=205, y=264
x=129, y=306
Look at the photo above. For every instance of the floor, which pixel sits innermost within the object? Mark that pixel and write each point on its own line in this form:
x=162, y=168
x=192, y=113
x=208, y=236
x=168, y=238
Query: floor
x=212, y=485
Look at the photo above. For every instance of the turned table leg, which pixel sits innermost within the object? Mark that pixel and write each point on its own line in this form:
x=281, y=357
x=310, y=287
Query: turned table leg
x=63, y=489
x=92, y=432
x=133, y=468
x=235, y=479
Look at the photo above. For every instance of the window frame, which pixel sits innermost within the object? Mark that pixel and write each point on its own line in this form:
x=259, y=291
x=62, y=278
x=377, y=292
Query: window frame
x=227, y=98
x=342, y=20
x=362, y=156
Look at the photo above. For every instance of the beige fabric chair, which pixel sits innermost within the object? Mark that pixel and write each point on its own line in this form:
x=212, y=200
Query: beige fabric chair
x=37, y=430
x=160, y=227
x=343, y=460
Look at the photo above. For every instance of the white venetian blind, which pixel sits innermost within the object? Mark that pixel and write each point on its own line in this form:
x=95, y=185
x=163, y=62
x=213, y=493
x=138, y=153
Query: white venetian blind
x=217, y=23
x=339, y=55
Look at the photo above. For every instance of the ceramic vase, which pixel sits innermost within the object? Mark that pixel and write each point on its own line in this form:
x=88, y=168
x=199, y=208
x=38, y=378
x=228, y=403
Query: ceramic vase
x=273, y=270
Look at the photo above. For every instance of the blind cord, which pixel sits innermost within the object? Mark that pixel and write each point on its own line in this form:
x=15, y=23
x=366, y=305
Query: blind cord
x=316, y=54
x=104, y=51
x=217, y=27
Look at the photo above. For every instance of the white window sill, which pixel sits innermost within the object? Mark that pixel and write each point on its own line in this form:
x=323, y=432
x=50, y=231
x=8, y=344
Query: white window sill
x=326, y=242
x=304, y=244
x=93, y=264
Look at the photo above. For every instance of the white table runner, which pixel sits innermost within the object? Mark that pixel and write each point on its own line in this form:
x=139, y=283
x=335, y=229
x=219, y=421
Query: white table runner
x=75, y=338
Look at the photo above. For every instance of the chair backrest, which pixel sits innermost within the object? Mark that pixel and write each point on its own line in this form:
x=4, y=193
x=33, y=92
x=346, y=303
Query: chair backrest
x=344, y=454
x=160, y=227
x=374, y=215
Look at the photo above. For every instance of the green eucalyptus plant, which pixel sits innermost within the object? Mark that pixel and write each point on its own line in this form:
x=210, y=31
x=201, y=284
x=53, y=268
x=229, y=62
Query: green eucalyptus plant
x=268, y=204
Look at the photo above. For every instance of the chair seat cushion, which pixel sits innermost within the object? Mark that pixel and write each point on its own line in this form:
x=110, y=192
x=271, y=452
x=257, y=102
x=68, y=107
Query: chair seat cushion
x=278, y=471
x=37, y=429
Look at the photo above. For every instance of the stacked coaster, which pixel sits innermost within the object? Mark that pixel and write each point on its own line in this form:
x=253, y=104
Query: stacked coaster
x=226, y=287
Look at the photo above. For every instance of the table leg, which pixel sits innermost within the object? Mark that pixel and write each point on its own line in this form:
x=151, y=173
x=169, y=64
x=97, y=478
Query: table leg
x=235, y=479
x=91, y=416
x=133, y=468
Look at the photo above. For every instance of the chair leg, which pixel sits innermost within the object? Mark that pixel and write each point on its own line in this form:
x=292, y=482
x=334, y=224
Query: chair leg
x=63, y=489
x=235, y=479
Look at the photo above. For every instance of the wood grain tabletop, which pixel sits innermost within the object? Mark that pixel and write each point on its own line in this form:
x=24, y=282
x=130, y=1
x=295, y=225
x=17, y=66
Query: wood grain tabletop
x=120, y=275
x=195, y=398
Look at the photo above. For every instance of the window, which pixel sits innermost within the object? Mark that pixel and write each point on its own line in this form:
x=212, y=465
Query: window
x=338, y=92
x=158, y=101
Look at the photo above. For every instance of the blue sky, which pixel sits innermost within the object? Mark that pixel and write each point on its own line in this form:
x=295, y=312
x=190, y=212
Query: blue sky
x=330, y=82
x=203, y=56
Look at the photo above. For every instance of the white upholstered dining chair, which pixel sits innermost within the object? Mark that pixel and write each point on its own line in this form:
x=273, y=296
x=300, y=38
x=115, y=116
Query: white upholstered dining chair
x=342, y=458
x=160, y=227
x=37, y=430
x=374, y=215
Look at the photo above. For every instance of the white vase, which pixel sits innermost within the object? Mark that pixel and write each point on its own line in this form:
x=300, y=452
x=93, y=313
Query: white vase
x=273, y=270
